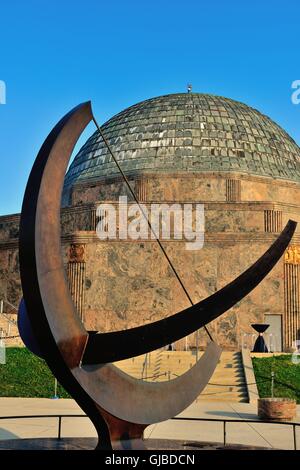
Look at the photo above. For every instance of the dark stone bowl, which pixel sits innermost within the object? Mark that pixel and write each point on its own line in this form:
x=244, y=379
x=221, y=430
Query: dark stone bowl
x=260, y=327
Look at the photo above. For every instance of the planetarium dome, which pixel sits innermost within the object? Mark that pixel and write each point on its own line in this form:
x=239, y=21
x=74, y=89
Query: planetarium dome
x=188, y=132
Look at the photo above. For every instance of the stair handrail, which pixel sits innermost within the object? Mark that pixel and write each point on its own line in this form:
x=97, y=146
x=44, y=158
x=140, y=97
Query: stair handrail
x=5, y=315
x=10, y=304
x=145, y=364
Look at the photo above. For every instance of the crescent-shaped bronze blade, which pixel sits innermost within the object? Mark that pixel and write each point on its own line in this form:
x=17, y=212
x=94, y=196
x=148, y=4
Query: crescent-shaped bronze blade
x=144, y=402
x=61, y=140
x=140, y=340
x=99, y=389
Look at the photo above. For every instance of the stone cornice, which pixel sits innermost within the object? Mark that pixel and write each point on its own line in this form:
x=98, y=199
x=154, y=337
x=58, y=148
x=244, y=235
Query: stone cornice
x=10, y=218
x=213, y=205
x=229, y=238
x=9, y=244
x=186, y=174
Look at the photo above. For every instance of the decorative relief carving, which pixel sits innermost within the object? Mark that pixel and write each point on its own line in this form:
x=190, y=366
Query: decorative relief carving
x=76, y=253
x=292, y=255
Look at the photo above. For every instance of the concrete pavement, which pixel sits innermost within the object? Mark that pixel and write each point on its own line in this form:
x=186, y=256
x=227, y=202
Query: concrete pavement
x=256, y=434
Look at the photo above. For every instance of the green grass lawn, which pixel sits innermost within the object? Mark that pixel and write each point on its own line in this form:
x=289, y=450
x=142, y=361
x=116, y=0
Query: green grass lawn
x=286, y=379
x=26, y=375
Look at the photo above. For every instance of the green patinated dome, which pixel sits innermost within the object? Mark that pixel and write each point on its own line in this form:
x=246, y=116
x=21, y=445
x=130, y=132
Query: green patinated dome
x=189, y=132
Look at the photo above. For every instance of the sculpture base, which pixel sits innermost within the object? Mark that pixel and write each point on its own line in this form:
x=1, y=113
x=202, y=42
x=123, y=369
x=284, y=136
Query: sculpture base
x=90, y=444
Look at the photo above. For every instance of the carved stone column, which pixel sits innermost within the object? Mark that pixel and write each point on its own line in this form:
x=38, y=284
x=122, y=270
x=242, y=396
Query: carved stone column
x=141, y=189
x=76, y=276
x=291, y=295
x=93, y=219
x=273, y=221
x=233, y=190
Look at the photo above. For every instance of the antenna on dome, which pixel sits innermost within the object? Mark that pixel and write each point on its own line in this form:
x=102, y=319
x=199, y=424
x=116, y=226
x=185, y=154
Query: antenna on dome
x=189, y=87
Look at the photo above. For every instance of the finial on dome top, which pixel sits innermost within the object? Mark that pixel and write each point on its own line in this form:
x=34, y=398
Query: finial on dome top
x=189, y=87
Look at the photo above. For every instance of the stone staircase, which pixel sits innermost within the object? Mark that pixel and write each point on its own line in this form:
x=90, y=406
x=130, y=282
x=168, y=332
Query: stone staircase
x=227, y=383
x=9, y=328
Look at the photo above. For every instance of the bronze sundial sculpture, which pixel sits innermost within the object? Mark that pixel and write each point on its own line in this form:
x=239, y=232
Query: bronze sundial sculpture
x=119, y=406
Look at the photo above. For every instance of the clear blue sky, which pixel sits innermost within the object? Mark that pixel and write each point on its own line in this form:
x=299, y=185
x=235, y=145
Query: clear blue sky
x=55, y=54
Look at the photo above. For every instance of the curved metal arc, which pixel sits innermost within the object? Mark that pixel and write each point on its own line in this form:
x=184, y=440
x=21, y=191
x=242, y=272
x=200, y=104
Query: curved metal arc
x=119, y=345
x=62, y=138
x=147, y=402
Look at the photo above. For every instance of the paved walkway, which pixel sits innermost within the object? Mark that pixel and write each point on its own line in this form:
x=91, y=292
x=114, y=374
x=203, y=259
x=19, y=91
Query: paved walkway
x=265, y=435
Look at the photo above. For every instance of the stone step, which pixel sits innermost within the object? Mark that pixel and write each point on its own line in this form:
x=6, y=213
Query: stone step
x=227, y=382
x=8, y=326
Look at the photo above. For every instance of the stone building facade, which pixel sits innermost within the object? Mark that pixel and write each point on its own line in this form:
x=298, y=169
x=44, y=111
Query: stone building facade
x=182, y=148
